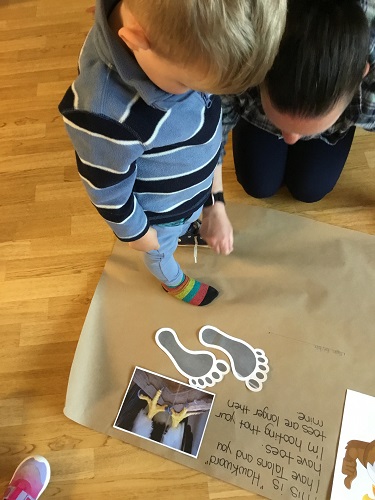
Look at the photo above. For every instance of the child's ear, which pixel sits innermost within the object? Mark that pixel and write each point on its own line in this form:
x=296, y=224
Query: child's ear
x=367, y=69
x=133, y=35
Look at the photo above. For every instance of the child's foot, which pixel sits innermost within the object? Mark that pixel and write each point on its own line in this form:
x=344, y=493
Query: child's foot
x=192, y=291
x=29, y=480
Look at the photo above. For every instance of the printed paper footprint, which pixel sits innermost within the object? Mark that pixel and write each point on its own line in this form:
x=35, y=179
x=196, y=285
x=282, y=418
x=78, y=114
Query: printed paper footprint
x=201, y=368
x=248, y=364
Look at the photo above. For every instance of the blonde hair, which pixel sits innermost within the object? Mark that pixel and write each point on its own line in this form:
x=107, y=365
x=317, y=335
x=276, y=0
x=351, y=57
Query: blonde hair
x=236, y=40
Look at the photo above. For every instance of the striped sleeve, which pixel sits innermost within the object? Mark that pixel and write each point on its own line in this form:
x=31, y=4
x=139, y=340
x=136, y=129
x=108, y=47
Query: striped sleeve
x=106, y=154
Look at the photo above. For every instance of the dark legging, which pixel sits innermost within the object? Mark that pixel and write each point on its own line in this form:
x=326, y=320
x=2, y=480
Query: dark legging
x=309, y=169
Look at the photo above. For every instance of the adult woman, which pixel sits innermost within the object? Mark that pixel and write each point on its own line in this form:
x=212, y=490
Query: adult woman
x=297, y=128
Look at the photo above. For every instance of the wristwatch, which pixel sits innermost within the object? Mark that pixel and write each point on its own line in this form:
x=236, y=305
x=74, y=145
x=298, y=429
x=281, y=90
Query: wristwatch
x=213, y=198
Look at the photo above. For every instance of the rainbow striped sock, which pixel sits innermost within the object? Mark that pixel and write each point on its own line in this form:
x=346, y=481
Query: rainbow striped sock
x=192, y=291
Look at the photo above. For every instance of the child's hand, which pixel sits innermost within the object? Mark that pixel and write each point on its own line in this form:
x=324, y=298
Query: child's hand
x=217, y=229
x=147, y=243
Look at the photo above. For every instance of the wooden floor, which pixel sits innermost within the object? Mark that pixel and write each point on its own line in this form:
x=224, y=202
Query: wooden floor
x=52, y=252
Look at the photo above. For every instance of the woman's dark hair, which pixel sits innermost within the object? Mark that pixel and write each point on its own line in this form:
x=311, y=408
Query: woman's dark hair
x=322, y=56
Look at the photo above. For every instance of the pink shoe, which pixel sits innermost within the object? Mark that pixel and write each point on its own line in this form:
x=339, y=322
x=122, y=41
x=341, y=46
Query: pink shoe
x=29, y=480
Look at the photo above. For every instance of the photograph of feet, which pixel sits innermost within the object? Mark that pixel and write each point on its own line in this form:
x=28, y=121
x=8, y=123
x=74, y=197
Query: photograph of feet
x=165, y=411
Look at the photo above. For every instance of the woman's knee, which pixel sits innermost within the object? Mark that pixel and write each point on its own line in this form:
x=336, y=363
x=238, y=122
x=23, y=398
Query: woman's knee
x=258, y=181
x=259, y=192
x=308, y=193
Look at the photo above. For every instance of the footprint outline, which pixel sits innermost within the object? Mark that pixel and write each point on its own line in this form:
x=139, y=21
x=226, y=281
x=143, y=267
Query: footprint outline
x=258, y=375
x=200, y=382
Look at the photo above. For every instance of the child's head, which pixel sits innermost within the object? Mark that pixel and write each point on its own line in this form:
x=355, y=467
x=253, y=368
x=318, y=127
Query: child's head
x=320, y=65
x=219, y=46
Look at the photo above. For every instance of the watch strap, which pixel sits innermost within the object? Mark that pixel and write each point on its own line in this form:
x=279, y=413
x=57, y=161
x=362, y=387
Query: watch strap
x=213, y=198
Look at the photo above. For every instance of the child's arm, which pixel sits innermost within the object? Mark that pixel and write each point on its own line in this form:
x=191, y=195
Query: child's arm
x=106, y=154
x=216, y=227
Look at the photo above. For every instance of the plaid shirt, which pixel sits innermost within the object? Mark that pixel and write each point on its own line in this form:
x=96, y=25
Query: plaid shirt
x=360, y=112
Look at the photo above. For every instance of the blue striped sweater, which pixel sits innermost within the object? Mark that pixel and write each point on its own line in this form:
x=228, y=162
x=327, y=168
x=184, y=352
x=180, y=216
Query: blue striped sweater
x=145, y=156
